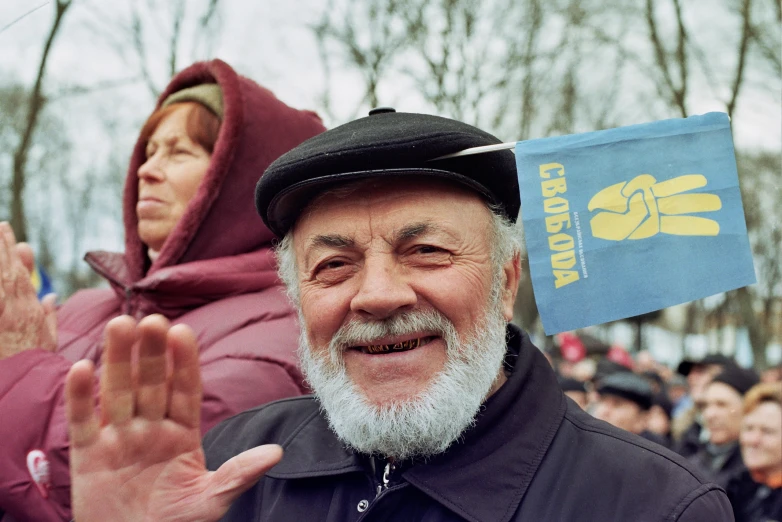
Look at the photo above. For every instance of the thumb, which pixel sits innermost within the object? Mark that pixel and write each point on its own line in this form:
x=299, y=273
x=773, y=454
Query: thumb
x=240, y=473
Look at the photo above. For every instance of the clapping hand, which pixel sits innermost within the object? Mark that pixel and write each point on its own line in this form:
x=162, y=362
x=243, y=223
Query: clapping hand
x=140, y=459
x=25, y=323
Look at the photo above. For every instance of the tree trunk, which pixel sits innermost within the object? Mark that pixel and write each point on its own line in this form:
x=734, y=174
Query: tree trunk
x=35, y=105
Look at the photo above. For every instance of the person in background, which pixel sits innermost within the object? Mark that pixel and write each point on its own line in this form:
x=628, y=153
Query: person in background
x=773, y=374
x=654, y=379
x=722, y=414
x=188, y=256
x=756, y=493
x=574, y=389
x=624, y=399
x=678, y=392
x=689, y=435
x=602, y=368
x=658, y=420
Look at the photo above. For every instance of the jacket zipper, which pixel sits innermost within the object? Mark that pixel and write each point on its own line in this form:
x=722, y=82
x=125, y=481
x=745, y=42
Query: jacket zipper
x=128, y=297
x=111, y=279
x=389, y=469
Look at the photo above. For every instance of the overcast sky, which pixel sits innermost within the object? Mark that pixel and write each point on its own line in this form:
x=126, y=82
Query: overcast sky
x=270, y=42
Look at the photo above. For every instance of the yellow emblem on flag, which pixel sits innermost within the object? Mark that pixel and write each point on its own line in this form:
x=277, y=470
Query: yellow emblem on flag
x=35, y=278
x=643, y=207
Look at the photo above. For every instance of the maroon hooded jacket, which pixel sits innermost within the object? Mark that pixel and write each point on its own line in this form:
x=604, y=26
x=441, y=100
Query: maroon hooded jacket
x=216, y=273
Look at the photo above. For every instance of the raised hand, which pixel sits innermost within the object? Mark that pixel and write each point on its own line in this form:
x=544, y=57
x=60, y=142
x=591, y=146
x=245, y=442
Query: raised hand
x=49, y=301
x=25, y=323
x=142, y=460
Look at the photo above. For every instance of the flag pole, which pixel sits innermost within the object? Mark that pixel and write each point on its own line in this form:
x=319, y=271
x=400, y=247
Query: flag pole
x=478, y=150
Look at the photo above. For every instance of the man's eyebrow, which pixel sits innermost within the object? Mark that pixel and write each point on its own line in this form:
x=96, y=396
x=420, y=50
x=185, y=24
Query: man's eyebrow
x=331, y=241
x=416, y=230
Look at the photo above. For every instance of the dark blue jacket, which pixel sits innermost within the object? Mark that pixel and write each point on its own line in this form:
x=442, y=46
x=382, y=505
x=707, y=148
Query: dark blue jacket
x=533, y=455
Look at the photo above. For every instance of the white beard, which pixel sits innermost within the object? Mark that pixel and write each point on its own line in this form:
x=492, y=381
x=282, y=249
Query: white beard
x=427, y=424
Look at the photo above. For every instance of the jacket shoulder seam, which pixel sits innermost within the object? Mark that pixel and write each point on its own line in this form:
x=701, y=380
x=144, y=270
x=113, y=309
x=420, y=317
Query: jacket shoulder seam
x=592, y=429
x=687, y=501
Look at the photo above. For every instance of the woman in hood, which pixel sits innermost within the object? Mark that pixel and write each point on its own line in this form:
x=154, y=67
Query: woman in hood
x=195, y=252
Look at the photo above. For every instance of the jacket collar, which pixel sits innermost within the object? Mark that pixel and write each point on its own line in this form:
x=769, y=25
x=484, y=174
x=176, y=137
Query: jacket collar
x=175, y=289
x=496, y=459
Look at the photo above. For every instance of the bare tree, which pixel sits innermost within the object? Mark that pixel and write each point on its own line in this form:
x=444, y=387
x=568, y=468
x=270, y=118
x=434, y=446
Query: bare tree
x=154, y=36
x=673, y=66
x=366, y=36
x=761, y=194
x=34, y=105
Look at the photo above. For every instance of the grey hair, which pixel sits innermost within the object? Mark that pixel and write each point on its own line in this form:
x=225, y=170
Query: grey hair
x=505, y=240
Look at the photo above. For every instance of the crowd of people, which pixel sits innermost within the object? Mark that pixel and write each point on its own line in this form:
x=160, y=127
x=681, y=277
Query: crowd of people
x=724, y=419
x=349, y=354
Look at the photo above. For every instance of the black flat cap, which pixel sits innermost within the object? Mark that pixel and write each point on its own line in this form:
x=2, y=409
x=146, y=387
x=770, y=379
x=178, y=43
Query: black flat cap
x=662, y=400
x=571, y=384
x=686, y=366
x=384, y=145
x=628, y=386
x=738, y=378
x=606, y=367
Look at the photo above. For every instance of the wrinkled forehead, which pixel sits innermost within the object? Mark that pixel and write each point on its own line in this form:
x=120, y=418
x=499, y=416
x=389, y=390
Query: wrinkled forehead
x=394, y=203
x=717, y=391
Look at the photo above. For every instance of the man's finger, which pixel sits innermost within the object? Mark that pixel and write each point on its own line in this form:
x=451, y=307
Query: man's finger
x=49, y=335
x=241, y=472
x=185, y=403
x=116, y=383
x=16, y=278
x=6, y=270
x=26, y=256
x=24, y=285
x=80, y=405
x=152, y=396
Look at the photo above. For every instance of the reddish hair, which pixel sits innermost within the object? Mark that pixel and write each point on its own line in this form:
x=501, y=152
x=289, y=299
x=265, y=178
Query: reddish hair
x=202, y=125
x=763, y=392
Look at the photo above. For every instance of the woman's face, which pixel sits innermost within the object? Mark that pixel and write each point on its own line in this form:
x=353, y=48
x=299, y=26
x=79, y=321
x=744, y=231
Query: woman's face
x=761, y=438
x=169, y=178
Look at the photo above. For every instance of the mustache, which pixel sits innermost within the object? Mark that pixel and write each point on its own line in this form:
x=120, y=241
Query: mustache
x=361, y=332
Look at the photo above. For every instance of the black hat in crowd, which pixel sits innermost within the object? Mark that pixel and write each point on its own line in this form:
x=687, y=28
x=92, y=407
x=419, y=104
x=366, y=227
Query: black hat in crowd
x=738, y=378
x=386, y=144
x=627, y=385
x=606, y=367
x=571, y=384
x=662, y=400
x=686, y=366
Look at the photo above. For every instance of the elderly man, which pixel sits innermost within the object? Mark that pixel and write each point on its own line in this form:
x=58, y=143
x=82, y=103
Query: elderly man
x=624, y=400
x=722, y=413
x=428, y=405
x=688, y=425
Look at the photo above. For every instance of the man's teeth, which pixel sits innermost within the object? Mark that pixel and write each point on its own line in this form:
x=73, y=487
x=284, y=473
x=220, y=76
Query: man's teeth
x=398, y=347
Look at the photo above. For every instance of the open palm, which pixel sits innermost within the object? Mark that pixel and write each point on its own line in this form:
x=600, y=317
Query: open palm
x=142, y=460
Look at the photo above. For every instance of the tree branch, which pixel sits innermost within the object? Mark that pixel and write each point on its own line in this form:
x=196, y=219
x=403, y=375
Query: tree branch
x=680, y=95
x=660, y=55
x=176, y=30
x=35, y=104
x=746, y=32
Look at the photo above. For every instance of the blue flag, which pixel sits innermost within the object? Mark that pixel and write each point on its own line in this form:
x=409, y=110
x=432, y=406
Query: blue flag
x=626, y=221
x=41, y=281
